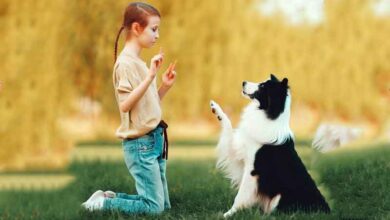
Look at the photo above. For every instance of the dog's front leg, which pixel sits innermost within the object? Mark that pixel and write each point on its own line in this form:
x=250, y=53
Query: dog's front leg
x=247, y=193
x=225, y=141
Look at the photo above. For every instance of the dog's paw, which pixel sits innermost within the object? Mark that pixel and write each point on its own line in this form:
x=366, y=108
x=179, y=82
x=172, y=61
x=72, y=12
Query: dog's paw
x=216, y=109
x=274, y=202
x=228, y=214
x=213, y=105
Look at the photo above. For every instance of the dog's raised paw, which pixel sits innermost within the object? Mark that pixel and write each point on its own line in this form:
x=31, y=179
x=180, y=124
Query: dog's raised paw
x=215, y=109
x=212, y=104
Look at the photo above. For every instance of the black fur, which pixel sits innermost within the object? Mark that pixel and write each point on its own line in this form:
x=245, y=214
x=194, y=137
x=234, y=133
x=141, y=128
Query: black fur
x=272, y=96
x=281, y=171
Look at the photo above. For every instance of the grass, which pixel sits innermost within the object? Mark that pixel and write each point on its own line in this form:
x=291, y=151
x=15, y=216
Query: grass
x=355, y=182
x=359, y=181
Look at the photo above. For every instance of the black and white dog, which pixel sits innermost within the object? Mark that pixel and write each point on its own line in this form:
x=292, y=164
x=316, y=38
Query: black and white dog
x=259, y=156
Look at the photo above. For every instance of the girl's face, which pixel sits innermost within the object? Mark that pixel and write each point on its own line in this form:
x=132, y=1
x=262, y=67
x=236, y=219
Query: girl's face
x=150, y=34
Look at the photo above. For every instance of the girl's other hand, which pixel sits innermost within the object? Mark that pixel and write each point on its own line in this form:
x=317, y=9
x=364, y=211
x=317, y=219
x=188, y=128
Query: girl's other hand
x=169, y=76
x=155, y=64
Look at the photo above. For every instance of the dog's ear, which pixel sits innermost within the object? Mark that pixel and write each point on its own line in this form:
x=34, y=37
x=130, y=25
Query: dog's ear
x=285, y=82
x=273, y=78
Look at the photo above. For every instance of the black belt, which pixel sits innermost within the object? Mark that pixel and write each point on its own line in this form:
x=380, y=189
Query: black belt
x=164, y=125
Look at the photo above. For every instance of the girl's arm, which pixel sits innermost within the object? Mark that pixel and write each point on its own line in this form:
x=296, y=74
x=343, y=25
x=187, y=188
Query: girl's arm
x=127, y=104
x=163, y=90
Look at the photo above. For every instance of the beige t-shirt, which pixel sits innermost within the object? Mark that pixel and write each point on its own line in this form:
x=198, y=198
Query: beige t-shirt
x=128, y=73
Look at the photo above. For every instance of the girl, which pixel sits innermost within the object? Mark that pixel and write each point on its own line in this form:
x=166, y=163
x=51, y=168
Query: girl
x=141, y=127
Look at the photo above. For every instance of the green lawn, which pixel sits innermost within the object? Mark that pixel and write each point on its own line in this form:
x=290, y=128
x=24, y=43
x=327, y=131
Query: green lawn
x=356, y=183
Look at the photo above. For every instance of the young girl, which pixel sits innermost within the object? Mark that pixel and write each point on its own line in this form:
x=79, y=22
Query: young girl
x=141, y=127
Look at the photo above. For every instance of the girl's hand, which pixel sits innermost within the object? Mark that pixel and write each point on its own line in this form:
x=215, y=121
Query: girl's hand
x=155, y=64
x=169, y=76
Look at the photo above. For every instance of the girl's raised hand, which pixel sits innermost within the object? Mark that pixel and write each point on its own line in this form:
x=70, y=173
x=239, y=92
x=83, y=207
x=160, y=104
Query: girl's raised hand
x=155, y=63
x=169, y=76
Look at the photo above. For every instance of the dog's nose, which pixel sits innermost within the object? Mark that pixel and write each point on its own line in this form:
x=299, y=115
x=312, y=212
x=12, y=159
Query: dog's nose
x=244, y=83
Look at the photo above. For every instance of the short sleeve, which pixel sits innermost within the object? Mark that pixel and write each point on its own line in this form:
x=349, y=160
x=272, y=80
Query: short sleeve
x=122, y=81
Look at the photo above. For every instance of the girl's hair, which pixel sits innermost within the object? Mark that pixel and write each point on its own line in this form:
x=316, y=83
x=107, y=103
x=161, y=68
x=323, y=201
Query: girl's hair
x=135, y=12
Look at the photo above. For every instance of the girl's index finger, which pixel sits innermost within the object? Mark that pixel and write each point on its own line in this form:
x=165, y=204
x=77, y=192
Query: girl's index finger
x=170, y=67
x=174, y=65
x=161, y=51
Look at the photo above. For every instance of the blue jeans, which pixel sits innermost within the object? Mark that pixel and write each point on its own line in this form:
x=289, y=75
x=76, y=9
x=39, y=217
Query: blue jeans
x=143, y=157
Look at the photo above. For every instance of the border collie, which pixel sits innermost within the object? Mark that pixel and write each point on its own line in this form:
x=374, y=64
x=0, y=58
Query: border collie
x=259, y=156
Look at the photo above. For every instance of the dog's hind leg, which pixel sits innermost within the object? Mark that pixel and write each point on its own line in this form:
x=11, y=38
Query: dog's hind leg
x=271, y=204
x=274, y=202
x=247, y=193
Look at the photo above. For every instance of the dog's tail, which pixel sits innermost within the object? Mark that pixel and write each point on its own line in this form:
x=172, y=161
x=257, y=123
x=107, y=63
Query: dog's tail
x=329, y=137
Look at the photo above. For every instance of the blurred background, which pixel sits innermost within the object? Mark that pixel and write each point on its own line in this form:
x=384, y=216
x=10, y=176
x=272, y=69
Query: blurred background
x=57, y=59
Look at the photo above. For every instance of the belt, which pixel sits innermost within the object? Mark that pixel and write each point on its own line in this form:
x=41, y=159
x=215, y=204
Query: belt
x=164, y=125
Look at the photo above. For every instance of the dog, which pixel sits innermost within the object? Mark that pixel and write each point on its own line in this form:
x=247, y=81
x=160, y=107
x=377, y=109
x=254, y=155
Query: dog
x=259, y=155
